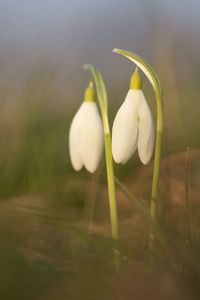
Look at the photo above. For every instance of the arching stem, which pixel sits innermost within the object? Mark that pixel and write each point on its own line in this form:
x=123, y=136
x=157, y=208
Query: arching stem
x=103, y=104
x=151, y=75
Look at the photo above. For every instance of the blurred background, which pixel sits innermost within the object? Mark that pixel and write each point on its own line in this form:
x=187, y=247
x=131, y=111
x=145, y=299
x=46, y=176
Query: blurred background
x=44, y=204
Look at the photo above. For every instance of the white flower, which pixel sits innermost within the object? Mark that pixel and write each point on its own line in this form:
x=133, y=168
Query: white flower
x=133, y=128
x=86, y=137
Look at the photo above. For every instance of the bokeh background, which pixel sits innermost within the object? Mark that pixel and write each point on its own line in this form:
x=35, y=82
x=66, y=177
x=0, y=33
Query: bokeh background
x=43, y=45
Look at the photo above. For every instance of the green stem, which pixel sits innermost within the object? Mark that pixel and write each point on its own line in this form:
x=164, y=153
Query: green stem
x=103, y=103
x=154, y=193
x=152, y=76
x=111, y=187
x=155, y=183
x=112, y=198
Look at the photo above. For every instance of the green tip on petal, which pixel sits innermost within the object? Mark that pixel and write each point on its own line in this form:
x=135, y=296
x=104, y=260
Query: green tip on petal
x=89, y=95
x=136, y=81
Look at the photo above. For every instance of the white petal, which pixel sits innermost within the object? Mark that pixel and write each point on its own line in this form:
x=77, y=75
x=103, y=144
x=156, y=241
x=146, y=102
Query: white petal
x=91, y=142
x=146, y=132
x=74, y=139
x=125, y=128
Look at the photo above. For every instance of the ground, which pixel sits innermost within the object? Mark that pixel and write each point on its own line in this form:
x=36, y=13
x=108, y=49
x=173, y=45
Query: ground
x=56, y=242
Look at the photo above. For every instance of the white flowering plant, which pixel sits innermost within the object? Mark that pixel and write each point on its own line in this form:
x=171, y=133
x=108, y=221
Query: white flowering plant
x=86, y=134
x=133, y=128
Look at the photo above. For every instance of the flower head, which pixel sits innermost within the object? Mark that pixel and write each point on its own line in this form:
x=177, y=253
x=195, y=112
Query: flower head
x=133, y=127
x=86, y=134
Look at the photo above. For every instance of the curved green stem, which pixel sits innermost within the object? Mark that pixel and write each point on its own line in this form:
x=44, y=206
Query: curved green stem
x=103, y=103
x=151, y=75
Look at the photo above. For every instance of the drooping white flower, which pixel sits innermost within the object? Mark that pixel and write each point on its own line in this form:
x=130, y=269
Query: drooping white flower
x=133, y=126
x=146, y=135
x=86, y=135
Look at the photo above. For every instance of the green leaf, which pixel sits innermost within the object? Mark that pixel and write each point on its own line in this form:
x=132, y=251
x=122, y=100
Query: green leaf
x=144, y=66
x=101, y=94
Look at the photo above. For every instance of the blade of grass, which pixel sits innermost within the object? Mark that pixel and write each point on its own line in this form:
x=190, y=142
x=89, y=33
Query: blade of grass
x=187, y=191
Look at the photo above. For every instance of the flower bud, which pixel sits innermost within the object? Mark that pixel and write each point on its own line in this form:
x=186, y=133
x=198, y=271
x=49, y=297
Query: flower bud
x=133, y=125
x=86, y=134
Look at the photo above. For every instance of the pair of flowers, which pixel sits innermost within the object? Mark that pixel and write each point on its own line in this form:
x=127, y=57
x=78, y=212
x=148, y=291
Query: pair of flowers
x=133, y=128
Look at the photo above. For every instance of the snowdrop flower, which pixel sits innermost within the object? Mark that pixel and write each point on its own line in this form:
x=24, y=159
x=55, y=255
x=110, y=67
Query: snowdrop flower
x=133, y=127
x=86, y=134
